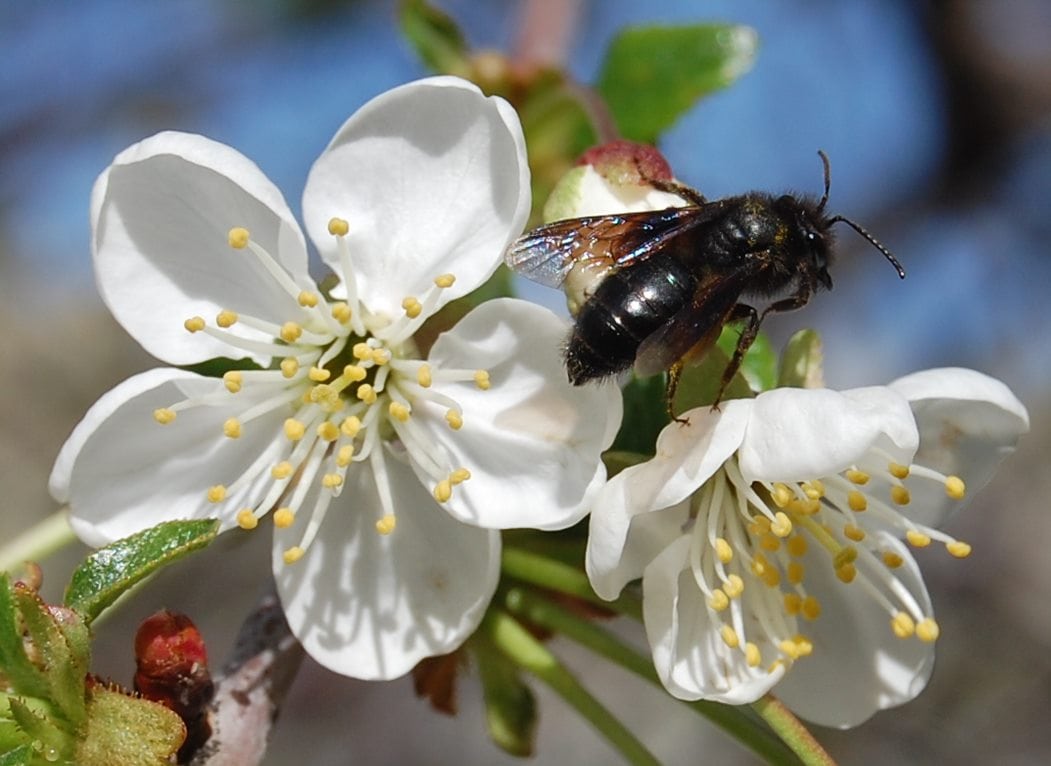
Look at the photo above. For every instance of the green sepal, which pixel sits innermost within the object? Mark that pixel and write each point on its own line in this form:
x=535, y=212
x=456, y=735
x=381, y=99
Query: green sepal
x=110, y=571
x=645, y=414
x=20, y=673
x=64, y=663
x=37, y=726
x=652, y=75
x=699, y=383
x=510, y=705
x=759, y=366
x=19, y=756
x=435, y=37
x=802, y=361
x=216, y=368
x=124, y=729
x=616, y=461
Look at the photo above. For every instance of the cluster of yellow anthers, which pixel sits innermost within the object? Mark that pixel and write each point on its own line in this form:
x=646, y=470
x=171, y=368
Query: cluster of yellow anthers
x=758, y=533
x=350, y=379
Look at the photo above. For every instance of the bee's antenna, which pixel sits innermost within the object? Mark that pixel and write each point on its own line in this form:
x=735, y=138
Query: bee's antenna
x=828, y=180
x=871, y=239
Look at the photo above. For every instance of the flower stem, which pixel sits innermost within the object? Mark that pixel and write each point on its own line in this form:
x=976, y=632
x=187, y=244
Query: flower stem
x=547, y=573
x=792, y=731
x=520, y=646
x=739, y=722
x=37, y=542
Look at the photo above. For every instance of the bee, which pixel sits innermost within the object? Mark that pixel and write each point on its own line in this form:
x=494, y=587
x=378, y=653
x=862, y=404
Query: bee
x=652, y=290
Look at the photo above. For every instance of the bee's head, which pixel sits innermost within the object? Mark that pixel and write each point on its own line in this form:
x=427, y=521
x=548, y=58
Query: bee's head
x=810, y=236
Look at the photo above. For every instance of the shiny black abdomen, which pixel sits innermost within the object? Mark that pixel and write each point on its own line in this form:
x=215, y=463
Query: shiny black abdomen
x=626, y=308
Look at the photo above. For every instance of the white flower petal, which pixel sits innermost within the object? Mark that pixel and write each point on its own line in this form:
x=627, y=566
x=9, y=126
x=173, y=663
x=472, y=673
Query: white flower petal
x=797, y=434
x=968, y=423
x=161, y=214
x=122, y=472
x=690, y=656
x=433, y=179
x=858, y=666
x=371, y=606
x=532, y=442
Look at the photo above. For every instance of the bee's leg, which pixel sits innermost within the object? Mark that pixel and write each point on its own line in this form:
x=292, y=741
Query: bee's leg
x=674, y=374
x=688, y=193
x=749, y=332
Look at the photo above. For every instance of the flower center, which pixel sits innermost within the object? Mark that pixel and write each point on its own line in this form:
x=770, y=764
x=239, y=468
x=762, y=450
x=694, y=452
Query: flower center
x=352, y=387
x=749, y=540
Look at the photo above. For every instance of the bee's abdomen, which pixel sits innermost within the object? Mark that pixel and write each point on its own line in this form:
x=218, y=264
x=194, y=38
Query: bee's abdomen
x=626, y=308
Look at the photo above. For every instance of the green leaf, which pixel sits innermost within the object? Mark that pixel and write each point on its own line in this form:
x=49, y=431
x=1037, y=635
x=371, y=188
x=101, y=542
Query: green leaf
x=19, y=756
x=125, y=729
x=110, y=571
x=39, y=727
x=21, y=674
x=802, y=361
x=699, y=383
x=759, y=366
x=435, y=36
x=64, y=667
x=617, y=461
x=652, y=75
x=510, y=705
x=645, y=414
x=216, y=368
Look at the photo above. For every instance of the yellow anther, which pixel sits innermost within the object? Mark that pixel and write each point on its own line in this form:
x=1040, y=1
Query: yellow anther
x=793, y=603
x=423, y=375
x=857, y=501
x=226, y=318
x=955, y=488
x=399, y=412
x=238, y=238
x=854, y=476
x=814, y=489
x=845, y=555
x=804, y=646
x=232, y=428
x=846, y=573
x=289, y=367
x=246, y=519
x=444, y=280
x=917, y=539
x=344, y=455
x=718, y=600
x=807, y=507
x=481, y=379
x=282, y=470
x=354, y=373
x=759, y=565
x=759, y=525
x=331, y=481
x=341, y=312
x=338, y=227
x=319, y=374
x=194, y=324
x=362, y=351
x=771, y=577
x=307, y=299
x=367, y=393
x=898, y=471
x=811, y=608
x=292, y=555
x=350, y=426
x=284, y=518
x=294, y=429
x=789, y=648
x=412, y=307
x=290, y=332
x=958, y=549
x=163, y=415
x=729, y=636
x=797, y=545
x=781, y=525
x=902, y=625
x=380, y=356
x=899, y=495
x=459, y=476
x=443, y=491
x=233, y=380
x=216, y=494
x=770, y=542
x=927, y=630
x=794, y=571
x=751, y=655
x=734, y=586
x=328, y=431
x=855, y=533
x=386, y=525
x=723, y=551
x=781, y=495
x=892, y=559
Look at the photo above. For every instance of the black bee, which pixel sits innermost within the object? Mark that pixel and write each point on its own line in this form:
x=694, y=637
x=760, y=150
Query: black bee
x=653, y=289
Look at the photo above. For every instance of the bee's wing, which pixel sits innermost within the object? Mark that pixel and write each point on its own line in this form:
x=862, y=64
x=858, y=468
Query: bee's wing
x=548, y=253
x=696, y=326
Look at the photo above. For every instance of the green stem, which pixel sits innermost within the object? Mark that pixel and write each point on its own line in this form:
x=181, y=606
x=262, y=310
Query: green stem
x=547, y=573
x=792, y=731
x=37, y=542
x=745, y=727
x=520, y=646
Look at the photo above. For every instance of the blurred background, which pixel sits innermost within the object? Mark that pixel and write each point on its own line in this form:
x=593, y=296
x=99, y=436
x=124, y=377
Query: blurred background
x=937, y=119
